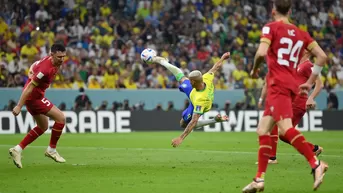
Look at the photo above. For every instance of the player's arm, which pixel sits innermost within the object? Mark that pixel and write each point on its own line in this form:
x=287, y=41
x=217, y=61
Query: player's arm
x=317, y=88
x=310, y=103
x=26, y=92
x=219, y=64
x=260, y=55
x=190, y=125
x=263, y=95
x=262, y=50
x=317, y=51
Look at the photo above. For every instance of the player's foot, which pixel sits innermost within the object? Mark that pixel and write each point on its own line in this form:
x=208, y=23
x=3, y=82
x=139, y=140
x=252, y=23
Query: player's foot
x=158, y=59
x=55, y=156
x=255, y=186
x=319, y=150
x=270, y=161
x=318, y=174
x=220, y=118
x=16, y=157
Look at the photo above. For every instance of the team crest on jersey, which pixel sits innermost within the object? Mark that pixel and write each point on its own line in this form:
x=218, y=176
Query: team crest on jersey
x=40, y=75
x=184, y=85
x=198, y=108
x=266, y=30
x=272, y=108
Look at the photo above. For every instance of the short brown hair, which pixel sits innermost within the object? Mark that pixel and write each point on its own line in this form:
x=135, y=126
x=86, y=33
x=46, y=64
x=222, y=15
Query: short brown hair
x=283, y=6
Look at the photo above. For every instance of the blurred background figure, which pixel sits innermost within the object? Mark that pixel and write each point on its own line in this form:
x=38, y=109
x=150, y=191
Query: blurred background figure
x=81, y=101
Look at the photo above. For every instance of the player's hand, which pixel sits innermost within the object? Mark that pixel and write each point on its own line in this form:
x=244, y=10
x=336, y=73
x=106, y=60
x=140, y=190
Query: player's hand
x=16, y=110
x=225, y=56
x=260, y=104
x=310, y=103
x=304, y=88
x=177, y=141
x=254, y=74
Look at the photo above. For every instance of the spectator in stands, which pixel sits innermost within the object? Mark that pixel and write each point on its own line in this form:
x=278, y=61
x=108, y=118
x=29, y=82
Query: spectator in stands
x=62, y=107
x=103, y=106
x=100, y=36
x=115, y=106
x=159, y=107
x=227, y=107
x=170, y=106
x=332, y=99
x=126, y=105
x=9, y=107
x=88, y=106
x=81, y=101
x=30, y=51
x=249, y=102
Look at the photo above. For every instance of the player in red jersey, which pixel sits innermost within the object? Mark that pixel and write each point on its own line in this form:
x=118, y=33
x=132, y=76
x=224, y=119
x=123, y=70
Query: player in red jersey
x=41, y=74
x=300, y=104
x=283, y=44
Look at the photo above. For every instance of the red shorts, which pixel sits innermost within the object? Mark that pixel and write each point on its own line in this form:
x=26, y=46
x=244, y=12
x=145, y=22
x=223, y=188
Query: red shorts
x=279, y=103
x=38, y=106
x=299, y=109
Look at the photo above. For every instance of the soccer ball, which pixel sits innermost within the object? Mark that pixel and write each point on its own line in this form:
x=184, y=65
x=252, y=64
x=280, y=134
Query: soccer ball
x=147, y=55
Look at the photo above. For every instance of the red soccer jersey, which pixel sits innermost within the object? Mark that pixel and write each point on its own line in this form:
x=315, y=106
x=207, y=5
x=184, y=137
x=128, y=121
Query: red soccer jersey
x=304, y=72
x=287, y=44
x=42, y=73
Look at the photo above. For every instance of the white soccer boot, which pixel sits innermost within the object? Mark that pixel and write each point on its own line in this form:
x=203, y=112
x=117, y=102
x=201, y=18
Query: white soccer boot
x=55, y=156
x=255, y=186
x=158, y=59
x=16, y=157
x=318, y=174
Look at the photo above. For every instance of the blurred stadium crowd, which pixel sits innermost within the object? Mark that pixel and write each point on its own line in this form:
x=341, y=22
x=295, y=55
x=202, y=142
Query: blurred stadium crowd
x=104, y=39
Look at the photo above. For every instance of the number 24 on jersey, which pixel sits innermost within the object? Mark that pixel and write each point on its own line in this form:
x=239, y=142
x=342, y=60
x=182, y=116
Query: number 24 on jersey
x=292, y=52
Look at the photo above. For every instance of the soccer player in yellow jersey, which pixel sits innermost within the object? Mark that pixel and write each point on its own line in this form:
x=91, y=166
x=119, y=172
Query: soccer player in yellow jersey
x=200, y=90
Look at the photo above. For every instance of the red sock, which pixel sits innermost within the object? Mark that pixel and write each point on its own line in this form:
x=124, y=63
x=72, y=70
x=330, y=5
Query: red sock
x=31, y=136
x=311, y=145
x=298, y=141
x=55, y=134
x=274, y=136
x=282, y=138
x=263, y=155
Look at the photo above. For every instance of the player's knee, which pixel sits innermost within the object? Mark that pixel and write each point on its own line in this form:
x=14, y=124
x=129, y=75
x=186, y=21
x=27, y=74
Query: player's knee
x=43, y=126
x=261, y=131
x=61, y=119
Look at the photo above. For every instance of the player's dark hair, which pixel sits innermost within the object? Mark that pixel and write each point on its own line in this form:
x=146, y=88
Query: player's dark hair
x=283, y=6
x=58, y=48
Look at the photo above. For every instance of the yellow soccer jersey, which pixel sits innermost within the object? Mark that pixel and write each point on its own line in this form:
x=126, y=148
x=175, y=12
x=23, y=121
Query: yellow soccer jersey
x=202, y=100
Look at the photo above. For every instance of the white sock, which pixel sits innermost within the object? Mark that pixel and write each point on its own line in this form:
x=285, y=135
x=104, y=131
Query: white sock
x=177, y=72
x=51, y=149
x=18, y=148
x=202, y=123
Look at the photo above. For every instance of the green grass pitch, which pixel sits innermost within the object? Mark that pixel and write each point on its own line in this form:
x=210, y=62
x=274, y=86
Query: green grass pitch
x=145, y=162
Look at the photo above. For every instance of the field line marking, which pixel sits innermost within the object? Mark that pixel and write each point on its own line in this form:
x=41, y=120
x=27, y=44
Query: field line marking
x=171, y=150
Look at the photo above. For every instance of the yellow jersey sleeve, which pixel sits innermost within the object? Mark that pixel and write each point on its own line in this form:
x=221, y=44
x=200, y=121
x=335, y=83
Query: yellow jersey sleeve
x=208, y=77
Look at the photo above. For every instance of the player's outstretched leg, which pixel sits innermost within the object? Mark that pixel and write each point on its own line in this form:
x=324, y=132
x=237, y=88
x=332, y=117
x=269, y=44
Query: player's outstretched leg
x=216, y=119
x=173, y=69
x=15, y=152
x=56, y=132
